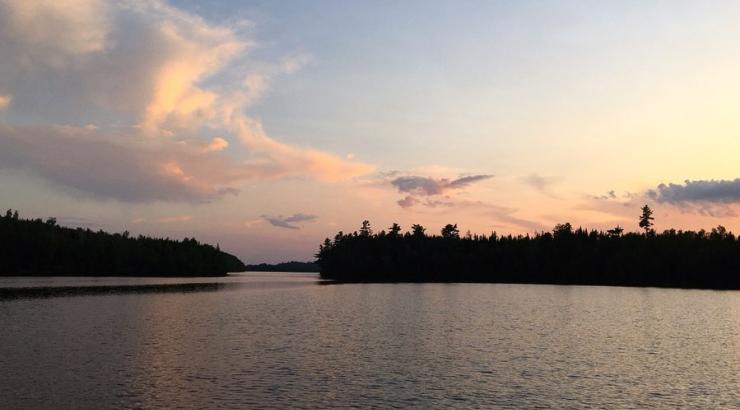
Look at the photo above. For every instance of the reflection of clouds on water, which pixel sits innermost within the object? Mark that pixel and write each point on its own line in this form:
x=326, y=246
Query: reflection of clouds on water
x=282, y=339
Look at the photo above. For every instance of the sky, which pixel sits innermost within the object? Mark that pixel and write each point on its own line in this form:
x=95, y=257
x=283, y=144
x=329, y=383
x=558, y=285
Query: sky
x=266, y=126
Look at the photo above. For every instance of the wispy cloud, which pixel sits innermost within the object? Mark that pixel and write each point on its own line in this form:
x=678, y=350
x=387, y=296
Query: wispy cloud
x=424, y=186
x=418, y=186
x=612, y=194
x=175, y=219
x=501, y=216
x=410, y=201
x=540, y=183
x=407, y=202
x=289, y=222
x=167, y=219
x=252, y=222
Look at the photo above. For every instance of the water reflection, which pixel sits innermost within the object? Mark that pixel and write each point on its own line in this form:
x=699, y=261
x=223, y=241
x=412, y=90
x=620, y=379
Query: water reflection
x=12, y=288
x=67, y=291
x=285, y=342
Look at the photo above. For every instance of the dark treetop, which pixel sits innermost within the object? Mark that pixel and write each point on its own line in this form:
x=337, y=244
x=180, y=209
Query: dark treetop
x=673, y=258
x=36, y=247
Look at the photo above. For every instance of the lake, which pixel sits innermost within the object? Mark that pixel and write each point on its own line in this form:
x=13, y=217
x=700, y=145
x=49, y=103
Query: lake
x=278, y=340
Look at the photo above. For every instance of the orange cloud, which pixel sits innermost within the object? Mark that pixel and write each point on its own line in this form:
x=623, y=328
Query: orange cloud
x=5, y=101
x=287, y=160
x=217, y=144
x=145, y=67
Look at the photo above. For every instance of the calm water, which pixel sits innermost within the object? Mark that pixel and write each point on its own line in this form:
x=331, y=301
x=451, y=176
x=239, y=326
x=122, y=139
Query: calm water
x=284, y=340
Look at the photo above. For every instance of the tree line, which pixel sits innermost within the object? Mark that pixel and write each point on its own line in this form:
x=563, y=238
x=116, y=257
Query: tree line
x=292, y=266
x=673, y=258
x=38, y=247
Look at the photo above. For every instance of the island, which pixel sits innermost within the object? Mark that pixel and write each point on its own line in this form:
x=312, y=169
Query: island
x=672, y=258
x=36, y=247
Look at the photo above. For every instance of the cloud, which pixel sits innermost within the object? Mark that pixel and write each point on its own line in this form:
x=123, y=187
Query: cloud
x=424, y=186
x=467, y=180
x=153, y=79
x=540, y=183
x=713, y=198
x=410, y=201
x=502, y=216
x=174, y=218
x=417, y=186
x=53, y=31
x=118, y=166
x=407, y=202
x=507, y=216
x=257, y=81
x=252, y=222
x=283, y=160
x=164, y=219
x=5, y=101
x=289, y=221
x=608, y=196
x=438, y=193
x=217, y=144
x=709, y=191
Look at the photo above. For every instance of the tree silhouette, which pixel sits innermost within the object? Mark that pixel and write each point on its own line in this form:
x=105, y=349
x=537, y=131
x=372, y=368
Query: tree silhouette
x=450, y=231
x=417, y=231
x=365, y=229
x=394, y=230
x=673, y=258
x=37, y=247
x=719, y=233
x=562, y=230
x=646, y=220
x=615, y=232
x=292, y=266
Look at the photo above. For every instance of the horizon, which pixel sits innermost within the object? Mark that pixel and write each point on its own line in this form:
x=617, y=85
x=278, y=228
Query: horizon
x=265, y=128
x=617, y=230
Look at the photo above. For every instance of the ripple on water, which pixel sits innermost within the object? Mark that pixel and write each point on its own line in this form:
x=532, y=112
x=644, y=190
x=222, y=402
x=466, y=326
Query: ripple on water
x=277, y=341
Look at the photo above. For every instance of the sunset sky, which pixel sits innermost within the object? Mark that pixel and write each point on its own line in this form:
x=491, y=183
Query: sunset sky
x=266, y=126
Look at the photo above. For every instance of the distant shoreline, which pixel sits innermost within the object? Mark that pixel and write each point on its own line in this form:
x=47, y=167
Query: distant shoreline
x=326, y=281
x=292, y=266
x=113, y=275
x=566, y=256
x=34, y=247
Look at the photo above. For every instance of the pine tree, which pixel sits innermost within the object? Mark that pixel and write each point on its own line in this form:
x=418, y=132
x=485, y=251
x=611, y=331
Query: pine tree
x=646, y=220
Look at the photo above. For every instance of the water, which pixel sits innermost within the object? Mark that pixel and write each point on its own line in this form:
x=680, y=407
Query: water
x=285, y=340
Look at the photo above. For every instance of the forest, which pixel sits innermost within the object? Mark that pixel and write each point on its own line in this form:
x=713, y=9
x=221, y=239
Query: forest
x=673, y=258
x=34, y=247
